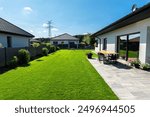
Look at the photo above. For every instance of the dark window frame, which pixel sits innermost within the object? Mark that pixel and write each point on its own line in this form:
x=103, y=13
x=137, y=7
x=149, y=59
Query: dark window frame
x=105, y=44
x=9, y=41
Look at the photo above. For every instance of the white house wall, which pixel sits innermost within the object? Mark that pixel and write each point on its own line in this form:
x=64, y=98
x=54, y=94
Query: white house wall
x=17, y=41
x=140, y=26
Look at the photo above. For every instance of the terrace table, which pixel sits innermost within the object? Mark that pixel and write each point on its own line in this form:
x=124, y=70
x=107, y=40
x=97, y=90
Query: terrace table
x=107, y=56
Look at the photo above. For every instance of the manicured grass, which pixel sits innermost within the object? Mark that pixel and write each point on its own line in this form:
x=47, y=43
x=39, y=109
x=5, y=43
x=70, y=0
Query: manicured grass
x=65, y=74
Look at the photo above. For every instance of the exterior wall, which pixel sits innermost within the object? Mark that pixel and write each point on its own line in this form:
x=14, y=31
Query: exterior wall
x=141, y=27
x=65, y=42
x=17, y=41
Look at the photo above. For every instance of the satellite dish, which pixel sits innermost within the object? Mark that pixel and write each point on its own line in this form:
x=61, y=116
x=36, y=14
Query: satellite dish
x=134, y=8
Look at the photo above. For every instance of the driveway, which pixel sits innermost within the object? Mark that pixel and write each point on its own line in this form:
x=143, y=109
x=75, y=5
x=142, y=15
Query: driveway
x=127, y=83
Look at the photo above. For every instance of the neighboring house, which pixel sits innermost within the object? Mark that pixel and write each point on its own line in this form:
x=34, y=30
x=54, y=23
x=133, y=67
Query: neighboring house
x=34, y=41
x=65, y=40
x=41, y=40
x=120, y=33
x=13, y=36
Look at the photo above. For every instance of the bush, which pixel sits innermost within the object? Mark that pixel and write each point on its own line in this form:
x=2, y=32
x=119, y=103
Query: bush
x=57, y=48
x=145, y=66
x=52, y=48
x=23, y=56
x=13, y=62
x=45, y=51
x=35, y=45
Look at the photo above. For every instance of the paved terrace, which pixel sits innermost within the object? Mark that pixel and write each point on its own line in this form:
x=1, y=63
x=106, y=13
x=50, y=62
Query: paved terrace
x=127, y=83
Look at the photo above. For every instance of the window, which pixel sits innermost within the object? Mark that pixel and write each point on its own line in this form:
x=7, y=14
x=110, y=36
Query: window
x=55, y=43
x=9, y=42
x=105, y=44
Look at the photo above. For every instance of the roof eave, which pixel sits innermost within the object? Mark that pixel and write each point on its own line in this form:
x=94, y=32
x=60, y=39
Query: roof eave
x=31, y=36
x=123, y=21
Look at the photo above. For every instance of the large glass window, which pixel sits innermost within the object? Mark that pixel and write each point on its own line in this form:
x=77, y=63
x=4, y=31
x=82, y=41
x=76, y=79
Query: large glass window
x=128, y=46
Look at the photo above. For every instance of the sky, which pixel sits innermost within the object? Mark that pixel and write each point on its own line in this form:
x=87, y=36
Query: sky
x=68, y=16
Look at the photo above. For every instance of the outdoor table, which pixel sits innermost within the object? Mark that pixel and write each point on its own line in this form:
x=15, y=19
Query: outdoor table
x=107, y=56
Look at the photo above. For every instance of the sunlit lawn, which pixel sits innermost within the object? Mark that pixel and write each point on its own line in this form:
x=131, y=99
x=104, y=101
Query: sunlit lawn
x=66, y=75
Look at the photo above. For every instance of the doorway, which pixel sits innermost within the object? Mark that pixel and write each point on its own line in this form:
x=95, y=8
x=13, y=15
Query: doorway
x=128, y=46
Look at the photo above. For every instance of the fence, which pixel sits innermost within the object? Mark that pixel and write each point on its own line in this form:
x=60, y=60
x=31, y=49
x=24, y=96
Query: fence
x=6, y=54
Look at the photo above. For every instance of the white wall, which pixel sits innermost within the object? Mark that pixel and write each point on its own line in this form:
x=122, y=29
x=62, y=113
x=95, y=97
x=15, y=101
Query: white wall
x=17, y=41
x=140, y=26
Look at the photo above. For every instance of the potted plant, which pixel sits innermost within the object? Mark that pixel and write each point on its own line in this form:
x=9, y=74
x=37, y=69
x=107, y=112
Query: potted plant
x=135, y=63
x=145, y=66
x=89, y=55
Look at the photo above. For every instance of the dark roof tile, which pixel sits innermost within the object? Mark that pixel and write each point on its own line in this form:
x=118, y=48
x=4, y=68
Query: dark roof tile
x=7, y=27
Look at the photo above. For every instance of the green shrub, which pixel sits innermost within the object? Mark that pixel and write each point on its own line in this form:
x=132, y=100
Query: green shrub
x=23, y=56
x=57, y=48
x=35, y=45
x=145, y=66
x=13, y=62
x=52, y=48
x=45, y=51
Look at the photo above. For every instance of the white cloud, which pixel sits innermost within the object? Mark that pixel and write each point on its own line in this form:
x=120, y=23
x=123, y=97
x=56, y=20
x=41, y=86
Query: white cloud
x=1, y=8
x=31, y=31
x=44, y=31
x=45, y=25
x=27, y=10
x=85, y=33
x=54, y=29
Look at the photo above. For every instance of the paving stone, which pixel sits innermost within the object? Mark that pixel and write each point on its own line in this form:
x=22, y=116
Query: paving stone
x=127, y=83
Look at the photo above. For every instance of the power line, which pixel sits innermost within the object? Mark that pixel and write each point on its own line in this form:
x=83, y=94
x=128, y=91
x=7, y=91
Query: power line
x=50, y=28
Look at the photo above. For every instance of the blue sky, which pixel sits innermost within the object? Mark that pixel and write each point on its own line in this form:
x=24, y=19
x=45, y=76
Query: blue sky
x=71, y=16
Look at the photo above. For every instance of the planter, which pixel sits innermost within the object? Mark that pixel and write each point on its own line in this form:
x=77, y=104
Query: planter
x=89, y=55
x=137, y=66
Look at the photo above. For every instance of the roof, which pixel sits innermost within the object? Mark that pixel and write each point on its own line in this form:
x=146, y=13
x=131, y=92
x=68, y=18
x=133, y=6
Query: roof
x=64, y=37
x=34, y=40
x=137, y=39
x=7, y=27
x=138, y=15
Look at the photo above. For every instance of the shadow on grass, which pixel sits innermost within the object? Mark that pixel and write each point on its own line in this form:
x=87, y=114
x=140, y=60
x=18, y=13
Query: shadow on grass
x=8, y=68
x=39, y=60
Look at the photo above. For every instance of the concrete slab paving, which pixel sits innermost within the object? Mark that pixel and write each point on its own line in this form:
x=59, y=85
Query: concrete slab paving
x=127, y=83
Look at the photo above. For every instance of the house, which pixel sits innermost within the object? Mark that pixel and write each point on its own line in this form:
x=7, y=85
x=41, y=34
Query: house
x=65, y=40
x=13, y=36
x=118, y=35
x=40, y=40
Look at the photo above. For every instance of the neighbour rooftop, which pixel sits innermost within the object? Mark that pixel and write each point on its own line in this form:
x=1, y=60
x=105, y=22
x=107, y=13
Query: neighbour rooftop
x=64, y=36
x=7, y=27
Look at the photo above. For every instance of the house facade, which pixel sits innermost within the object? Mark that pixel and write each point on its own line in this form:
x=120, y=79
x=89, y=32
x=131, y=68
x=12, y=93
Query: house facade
x=65, y=40
x=118, y=36
x=12, y=36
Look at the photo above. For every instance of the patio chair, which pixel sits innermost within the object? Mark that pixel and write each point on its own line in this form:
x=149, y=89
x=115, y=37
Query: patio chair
x=101, y=57
x=113, y=58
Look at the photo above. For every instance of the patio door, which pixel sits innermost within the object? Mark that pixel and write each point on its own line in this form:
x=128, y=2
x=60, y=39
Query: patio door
x=128, y=46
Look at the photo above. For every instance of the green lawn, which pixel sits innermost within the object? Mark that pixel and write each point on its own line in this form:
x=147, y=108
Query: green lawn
x=65, y=74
